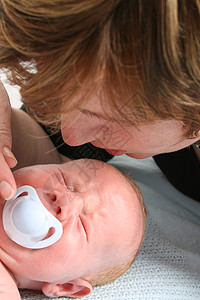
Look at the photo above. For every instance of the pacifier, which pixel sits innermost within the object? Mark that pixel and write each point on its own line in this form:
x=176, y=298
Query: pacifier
x=26, y=221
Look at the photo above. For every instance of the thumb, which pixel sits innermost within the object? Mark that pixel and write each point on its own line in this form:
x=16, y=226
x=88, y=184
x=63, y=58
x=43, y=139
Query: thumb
x=7, y=159
x=7, y=181
x=5, y=128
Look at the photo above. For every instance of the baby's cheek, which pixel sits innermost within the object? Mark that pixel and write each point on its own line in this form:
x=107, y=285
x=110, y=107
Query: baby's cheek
x=91, y=205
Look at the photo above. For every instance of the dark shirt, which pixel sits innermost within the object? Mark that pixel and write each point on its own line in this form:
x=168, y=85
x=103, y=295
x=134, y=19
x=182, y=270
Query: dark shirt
x=182, y=169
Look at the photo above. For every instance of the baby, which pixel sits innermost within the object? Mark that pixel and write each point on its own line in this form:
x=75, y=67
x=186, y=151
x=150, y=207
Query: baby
x=103, y=220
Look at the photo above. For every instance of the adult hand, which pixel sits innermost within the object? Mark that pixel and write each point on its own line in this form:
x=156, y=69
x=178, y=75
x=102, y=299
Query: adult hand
x=7, y=159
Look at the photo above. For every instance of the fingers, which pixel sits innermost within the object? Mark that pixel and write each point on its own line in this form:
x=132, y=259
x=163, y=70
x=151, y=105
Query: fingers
x=7, y=159
x=7, y=181
x=5, y=119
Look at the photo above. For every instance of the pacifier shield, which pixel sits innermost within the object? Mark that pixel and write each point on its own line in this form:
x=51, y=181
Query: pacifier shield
x=27, y=222
x=28, y=217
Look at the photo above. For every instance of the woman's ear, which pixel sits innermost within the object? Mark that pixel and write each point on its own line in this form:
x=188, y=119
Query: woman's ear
x=74, y=288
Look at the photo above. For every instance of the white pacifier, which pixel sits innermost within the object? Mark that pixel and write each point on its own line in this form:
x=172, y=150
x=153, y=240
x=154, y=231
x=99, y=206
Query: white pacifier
x=27, y=222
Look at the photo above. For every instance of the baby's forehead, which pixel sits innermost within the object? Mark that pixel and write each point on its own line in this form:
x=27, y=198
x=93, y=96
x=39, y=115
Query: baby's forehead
x=123, y=180
x=124, y=187
x=131, y=195
x=126, y=212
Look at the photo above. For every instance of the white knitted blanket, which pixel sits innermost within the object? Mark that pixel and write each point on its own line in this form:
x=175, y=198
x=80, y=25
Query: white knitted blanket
x=168, y=265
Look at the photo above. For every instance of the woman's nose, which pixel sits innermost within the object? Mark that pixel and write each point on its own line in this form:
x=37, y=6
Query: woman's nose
x=79, y=131
x=75, y=136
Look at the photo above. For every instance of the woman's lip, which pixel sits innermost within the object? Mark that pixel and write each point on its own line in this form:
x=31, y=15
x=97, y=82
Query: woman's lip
x=115, y=152
x=111, y=151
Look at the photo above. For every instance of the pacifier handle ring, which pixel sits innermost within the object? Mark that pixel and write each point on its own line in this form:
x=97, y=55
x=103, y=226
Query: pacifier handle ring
x=26, y=189
x=21, y=190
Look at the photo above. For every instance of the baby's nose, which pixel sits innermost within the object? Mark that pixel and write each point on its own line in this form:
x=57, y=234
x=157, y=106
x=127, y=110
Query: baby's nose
x=69, y=207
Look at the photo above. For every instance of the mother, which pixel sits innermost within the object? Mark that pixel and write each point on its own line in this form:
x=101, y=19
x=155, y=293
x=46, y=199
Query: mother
x=123, y=75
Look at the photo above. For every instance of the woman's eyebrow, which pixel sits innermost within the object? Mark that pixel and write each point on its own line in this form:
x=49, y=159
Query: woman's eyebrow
x=94, y=114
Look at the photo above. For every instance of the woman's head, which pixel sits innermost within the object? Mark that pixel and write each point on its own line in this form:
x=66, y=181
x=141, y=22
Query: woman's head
x=141, y=58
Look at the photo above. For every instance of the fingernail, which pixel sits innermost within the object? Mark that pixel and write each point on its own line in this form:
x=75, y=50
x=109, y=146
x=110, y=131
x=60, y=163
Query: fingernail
x=8, y=153
x=6, y=191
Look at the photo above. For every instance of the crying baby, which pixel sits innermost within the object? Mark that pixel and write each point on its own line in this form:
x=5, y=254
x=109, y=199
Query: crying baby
x=102, y=218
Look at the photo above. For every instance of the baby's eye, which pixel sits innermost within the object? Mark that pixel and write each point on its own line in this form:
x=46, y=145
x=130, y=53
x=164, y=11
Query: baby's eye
x=71, y=188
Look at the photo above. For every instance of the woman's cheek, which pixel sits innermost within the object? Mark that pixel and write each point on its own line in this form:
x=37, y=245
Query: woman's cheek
x=114, y=136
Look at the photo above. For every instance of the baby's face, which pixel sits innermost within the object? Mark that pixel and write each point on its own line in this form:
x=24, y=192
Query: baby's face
x=100, y=214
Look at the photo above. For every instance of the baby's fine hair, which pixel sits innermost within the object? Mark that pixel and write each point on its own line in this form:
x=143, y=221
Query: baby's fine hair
x=142, y=57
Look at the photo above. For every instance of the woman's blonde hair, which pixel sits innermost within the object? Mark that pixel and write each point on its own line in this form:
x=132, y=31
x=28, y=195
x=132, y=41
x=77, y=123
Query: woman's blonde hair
x=143, y=56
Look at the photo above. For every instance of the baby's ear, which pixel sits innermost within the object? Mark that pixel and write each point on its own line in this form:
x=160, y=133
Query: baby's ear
x=74, y=288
